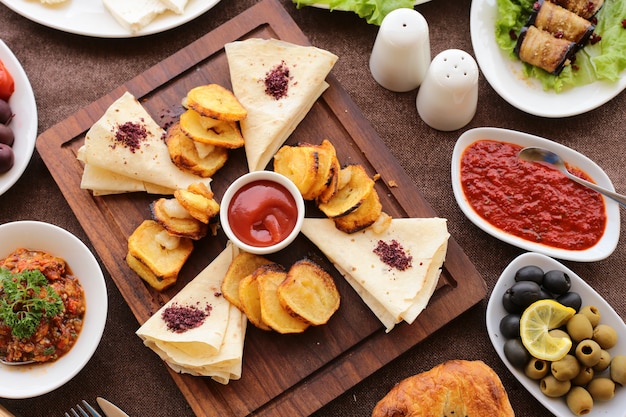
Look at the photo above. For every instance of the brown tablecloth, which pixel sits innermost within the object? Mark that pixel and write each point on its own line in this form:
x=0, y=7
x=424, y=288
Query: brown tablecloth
x=70, y=71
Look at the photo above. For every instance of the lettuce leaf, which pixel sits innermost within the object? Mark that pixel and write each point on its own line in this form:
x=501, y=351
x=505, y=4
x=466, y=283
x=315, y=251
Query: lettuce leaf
x=374, y=11
x=605, y=60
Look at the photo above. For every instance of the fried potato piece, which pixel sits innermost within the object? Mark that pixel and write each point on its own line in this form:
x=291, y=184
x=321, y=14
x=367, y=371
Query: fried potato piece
x=172, y=216
x=330, y=188
x=299, y=164
x=353, y=188
x=272, y=312
x=153, y=257
x=185, y=155
x=217, y=102
x=242, y=265
x=325, y=169
x=198, y=206
x=202, y=189
x=250, y=301
x=309, y=292
x=362, y=217
x=211, y=131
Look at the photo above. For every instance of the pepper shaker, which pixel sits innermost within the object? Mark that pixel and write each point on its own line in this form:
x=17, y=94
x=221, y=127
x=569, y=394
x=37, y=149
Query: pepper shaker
x=448, y=96
x=401, y=53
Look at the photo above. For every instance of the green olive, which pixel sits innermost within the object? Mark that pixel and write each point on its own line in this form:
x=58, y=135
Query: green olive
x=552, y=387
x=579, y=401
x=601, y=389
x=605, y=335
x=536, y=368
x=618, y=369
x=605, y=361
x=584, y=376
x=592, y=314
x=588, y=352
x=565, y=369
x=579, y=327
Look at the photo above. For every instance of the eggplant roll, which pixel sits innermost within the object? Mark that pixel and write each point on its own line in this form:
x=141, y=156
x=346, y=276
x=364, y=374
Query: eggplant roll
x=561, y=22
x=583, y=8
x=541, y=49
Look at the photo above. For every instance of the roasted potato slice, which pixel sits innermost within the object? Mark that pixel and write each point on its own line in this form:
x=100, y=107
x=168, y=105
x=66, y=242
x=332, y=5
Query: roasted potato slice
x=362, y=217
x=185, y=153
x=353, y=188
x=211, y=131
x=299, y=164
x=202, y=189
x=171, y=215
x=215, y=101
x=309, y=292
x=156, y=256
x=272, y=312
x=198, y=206
x=326, y=157
x=242, y=265
x=250, y=301
x=333, y=182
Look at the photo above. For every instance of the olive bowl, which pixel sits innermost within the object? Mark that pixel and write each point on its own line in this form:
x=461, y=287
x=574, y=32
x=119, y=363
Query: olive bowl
x=278, y=180
x=496, y=311
x=27, y=381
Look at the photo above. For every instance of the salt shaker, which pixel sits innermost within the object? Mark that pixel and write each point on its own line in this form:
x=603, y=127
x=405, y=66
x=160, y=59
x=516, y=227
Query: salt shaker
x=401, y=52
x=448, y=96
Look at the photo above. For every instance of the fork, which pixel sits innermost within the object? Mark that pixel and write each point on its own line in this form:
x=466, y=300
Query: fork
x=83, y=413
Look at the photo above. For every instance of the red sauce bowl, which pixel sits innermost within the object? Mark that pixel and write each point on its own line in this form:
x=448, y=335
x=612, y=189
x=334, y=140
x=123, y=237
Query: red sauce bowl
x=262, y=212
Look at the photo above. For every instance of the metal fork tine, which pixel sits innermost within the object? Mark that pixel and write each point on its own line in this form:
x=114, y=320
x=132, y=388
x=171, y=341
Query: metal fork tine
x=93, y=412
x=82, y=412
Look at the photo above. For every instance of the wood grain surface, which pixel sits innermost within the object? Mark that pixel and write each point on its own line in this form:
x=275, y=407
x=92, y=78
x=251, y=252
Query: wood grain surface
x=282, y=374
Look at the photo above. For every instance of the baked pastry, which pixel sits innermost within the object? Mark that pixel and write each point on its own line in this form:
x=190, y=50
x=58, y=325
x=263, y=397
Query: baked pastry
x=453, y=388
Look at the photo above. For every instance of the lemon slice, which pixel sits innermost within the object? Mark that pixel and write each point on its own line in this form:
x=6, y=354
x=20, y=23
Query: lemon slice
x=537, y=320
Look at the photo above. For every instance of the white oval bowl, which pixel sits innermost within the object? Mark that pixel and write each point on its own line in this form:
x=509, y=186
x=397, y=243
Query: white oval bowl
x=24, y=123
x=495, y=312
x=27, y=381
x=259, y=176
x=600, y=250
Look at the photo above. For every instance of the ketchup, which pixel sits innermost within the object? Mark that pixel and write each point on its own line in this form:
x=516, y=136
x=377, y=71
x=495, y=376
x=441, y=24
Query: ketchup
x=262, y=213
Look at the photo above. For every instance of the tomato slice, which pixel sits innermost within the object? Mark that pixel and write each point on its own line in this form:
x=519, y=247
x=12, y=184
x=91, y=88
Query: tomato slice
x=7, y=85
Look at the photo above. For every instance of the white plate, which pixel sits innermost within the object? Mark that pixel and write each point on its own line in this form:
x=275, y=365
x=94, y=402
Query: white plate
x=24, y=124
x=506, y=77
x=27, y=381
x=495, y=311
x=601, y=250
x=90, y=17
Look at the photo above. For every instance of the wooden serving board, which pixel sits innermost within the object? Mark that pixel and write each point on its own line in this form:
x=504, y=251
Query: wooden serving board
x=282, y=374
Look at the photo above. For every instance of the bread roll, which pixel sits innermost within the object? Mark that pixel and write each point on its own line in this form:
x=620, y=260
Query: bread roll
x=453, y=388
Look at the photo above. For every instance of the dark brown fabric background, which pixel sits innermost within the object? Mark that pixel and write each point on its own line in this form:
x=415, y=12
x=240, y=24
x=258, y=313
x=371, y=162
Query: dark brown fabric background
x=68, y=72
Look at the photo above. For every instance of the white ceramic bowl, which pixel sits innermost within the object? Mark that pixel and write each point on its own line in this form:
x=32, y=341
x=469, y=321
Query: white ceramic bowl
x=600, y=250
x=27, y=381
x=260, y=176
x=495, y=312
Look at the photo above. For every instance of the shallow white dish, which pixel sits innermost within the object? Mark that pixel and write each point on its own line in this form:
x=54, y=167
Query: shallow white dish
x=27, y=381
x=90, y=17
x=24, y=123
x=507, y=79
x=495, y=311
x=601, y=250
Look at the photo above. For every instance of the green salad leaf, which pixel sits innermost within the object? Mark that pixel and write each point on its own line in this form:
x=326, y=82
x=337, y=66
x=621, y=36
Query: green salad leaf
x=604, y=60
x=374, y=11
x=25, y=299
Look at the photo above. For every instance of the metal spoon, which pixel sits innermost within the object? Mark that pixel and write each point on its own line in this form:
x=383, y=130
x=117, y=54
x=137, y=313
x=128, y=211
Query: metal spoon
x=9, y=363
x=534, y=154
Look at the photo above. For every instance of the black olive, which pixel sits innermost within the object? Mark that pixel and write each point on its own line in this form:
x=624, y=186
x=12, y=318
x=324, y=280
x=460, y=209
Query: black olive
x=557, y=282
x=524, y=293
x=5, y=111
x=570, y=299
x=6, y=135
x=516, y=353
x=509, y=305
x=529, y=273
x=6, y=158
x=545, y=295
x=509, y=325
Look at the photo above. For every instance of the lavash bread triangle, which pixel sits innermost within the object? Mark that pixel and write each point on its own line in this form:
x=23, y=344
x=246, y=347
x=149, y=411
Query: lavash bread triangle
x=392, y=294
x=215, y=348
x=149, y=166
x=270, y=121
x=453, y=388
